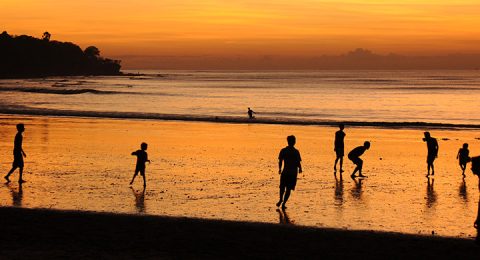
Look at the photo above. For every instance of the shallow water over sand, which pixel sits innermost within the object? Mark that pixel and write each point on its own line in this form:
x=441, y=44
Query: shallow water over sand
x=229, y=171
x=303, y=96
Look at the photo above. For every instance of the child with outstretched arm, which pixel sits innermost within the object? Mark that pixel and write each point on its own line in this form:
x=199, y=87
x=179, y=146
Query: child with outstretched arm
x=142, y=158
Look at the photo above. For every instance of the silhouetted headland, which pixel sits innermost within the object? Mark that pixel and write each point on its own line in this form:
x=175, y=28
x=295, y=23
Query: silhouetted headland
x=37, y=233
x=25, y=56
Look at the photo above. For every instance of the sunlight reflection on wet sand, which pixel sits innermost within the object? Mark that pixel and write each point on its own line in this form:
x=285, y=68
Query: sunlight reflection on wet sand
x=229, y=171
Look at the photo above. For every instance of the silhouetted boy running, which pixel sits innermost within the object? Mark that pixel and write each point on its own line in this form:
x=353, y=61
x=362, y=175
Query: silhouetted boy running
x=339, y=147
x=292, y=166
x=463, y=157
x=142, y=158
x=354, y=156
x=18, y=154
x=432, y=146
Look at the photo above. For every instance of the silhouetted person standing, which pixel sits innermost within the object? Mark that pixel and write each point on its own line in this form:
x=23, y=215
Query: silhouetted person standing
x=291, y=159
x=463, y=157
x=250, y=114
x=18, y=154
x=339, y=147
x=142, y=158
x=354, y=156
x=432, y=146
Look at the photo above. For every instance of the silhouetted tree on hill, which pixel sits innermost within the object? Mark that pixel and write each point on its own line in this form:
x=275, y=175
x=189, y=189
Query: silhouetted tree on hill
x=46, y=36
x=92, y=52
x=26, y=56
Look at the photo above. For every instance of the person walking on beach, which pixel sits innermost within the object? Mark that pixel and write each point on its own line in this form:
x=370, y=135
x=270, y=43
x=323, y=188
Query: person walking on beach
x=432, y=147
x=250, y=114
x=354, y=156
x=18, y=155
x=142, y=158
x=463, y=158
x=291, y=159
x=339, y=148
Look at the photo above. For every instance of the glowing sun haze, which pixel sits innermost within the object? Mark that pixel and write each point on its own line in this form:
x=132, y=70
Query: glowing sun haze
x=146, y=28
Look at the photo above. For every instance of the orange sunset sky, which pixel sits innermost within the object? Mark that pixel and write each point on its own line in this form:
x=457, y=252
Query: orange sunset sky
x=145, y=31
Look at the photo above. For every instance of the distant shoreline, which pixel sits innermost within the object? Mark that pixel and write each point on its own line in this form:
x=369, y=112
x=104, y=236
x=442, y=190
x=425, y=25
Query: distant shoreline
x=41, y=233
x=229, y=120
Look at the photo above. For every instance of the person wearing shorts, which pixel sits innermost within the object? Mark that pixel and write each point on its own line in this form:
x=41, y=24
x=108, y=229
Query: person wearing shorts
x=291, y=160
x=354, y=156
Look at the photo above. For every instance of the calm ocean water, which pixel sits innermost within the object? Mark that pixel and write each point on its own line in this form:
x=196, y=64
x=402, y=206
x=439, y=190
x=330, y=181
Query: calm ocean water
x=366, y=96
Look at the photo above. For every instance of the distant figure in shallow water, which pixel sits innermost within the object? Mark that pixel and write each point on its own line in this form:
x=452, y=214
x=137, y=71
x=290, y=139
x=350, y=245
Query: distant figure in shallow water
x=339, y=147
x=142, y=158
x=354, y=156
x=432, y=146
x=463, y=157
x=18, y=155
x=292, y=166
x=250, y=114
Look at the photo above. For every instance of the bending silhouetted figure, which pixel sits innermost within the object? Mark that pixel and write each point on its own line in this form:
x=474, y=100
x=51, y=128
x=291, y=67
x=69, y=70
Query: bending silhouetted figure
x=432, y=147
x=339, y=147
x=250, y=114
x=142, y=158
x=18, y=155
x=463, y=158
x=354, y=156
x=291, y=159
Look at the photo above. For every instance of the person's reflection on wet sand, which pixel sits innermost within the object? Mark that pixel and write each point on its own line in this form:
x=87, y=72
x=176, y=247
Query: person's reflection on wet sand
x=139, y=200
x=17, y=195
x=338, y=191
x=431, y=195
x=462, y=191
x=357, y=189
x=283, y=217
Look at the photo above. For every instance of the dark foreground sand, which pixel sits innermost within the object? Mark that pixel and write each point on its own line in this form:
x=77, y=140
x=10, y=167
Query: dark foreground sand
x=33, y=233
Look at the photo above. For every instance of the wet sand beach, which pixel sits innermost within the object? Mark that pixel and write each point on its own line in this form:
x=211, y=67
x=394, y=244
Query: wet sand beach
x=226, y=171
x=28, y=233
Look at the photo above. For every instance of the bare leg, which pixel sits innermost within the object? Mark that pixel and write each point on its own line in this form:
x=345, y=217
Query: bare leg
x=134, y=175
x=144, y=181
x=335, y=165
x=282, y=191
x=360, y=172
x=285, y=199
x=354, y=171
x=341, y=164
x=20, y=179
x=9, y=173
x=433, y=170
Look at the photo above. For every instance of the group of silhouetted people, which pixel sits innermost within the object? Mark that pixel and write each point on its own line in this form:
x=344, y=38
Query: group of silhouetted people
x=19, y=154
x=289, y=160
x=353, y=155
